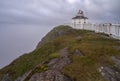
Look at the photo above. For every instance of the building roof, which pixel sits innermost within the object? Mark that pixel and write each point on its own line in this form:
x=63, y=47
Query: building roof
x=80, y=15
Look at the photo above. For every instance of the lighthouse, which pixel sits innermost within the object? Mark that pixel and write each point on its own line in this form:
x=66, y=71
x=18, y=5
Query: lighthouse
x=79, y=20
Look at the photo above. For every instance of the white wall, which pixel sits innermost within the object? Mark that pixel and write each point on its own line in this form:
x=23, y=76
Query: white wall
x=110, y=29
x=79, y=21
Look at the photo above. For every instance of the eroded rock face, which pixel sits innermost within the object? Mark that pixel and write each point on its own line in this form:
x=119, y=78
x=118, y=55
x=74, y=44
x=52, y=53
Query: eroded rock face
x=60, y=63
x=23, y=77
x=109, y=73
x=50, y=75
x=116, y=61
x=55, y=67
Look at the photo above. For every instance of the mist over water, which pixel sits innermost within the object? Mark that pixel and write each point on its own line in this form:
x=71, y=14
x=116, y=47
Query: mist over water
x=17, y=39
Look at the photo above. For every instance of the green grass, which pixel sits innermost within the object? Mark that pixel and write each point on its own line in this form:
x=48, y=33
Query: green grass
x=28, y=61
x=57, y=32
x=54, y=55
x=38, y=69
x=97, y=51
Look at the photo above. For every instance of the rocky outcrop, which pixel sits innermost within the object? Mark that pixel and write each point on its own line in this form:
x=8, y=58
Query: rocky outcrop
x=116, y=61
x=111, y=73
x=54, y=69
x=50, y=75
x=56, y=32
x=23, y=77
x=55, y=66
x=6, y=78
x=60, y=63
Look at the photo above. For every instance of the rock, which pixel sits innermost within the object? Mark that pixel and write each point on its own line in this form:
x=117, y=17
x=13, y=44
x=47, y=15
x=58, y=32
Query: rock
x=109, y=73
x=6, y=78
x=77, y=52
x=52, y=62
x=23, y=77
x=64, y=52
x=61, y=63
x=116, y=61
x=106, y=36
x=79, y=38
x=54, y=67
x=116, y=47
x=50, y=75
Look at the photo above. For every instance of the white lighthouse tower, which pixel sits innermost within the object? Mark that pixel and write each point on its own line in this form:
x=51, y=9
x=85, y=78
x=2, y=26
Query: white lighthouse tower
x=79, y=20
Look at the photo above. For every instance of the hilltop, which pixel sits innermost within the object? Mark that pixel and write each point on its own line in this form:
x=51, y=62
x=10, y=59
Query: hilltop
x=67, y=54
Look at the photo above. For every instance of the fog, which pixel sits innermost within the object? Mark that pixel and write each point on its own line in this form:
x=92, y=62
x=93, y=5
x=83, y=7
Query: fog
x=17, y=39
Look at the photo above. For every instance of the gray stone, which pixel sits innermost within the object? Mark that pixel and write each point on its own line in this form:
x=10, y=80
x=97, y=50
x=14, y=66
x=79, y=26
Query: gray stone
x=6, y=78
x=64, y=52
x=54, y=66
x=53, y=61
x=116, y=47
x=61, y=63
x=24, y=76
x=50, y=75
x=116, y=61
x=109, y=73
x=77, y=52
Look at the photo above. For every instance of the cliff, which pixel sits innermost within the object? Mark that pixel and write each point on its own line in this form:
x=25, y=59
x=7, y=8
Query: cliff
x=66, y=54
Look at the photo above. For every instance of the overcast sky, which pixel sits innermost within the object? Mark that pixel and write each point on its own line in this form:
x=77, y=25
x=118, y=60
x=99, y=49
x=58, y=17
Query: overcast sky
x=57, y=11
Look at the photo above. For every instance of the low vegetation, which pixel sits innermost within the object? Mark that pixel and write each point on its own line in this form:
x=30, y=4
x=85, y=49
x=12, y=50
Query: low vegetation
x=54, y=55
x=96, y=48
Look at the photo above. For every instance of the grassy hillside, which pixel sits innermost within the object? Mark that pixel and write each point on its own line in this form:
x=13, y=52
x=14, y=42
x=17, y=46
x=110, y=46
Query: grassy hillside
x=97, y=49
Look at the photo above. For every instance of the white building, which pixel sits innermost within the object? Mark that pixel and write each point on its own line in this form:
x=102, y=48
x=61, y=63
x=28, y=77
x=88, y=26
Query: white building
x=79, y=20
